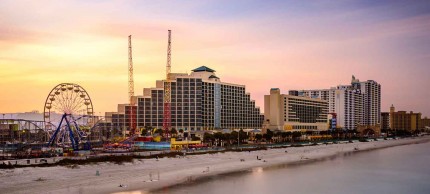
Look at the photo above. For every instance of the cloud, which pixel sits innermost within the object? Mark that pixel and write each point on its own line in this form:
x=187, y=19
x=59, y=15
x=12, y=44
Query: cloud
x=290, y=45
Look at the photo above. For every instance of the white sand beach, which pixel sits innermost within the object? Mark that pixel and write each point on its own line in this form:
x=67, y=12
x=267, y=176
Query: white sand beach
x=151, y=174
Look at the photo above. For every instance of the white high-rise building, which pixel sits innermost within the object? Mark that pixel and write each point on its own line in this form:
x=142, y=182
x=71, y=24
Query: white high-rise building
x=348, y=107
x=371, y=101
x=355, y=104
x=325, y=94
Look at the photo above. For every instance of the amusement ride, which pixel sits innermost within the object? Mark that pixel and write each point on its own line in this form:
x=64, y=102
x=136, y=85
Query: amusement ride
x=69, y=116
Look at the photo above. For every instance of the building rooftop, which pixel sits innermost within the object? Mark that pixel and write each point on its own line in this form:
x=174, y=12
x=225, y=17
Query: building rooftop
x=203, y=68
x=212, y=76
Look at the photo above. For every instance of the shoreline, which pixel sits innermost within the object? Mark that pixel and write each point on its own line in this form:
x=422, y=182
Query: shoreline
x=203, y=178
x=173, y=172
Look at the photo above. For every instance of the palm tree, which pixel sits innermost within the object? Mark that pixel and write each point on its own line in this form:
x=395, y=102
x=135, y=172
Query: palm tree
x=268, y=136
x=144, y=132
x=181, y=132
x=284, y=135
x=278, y=136
x=296, y=134
x=208, y=138
x=218, y=136
x=149, y=128
x=159, y=131
x=173, y=132
x=258, y=137
x=243, y=136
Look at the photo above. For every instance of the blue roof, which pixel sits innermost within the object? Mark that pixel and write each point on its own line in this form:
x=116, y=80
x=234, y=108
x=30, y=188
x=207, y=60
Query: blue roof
x=212, y=76
x=203, y=68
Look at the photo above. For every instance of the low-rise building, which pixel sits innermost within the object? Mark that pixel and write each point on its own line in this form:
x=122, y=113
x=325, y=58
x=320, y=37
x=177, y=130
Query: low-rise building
x=425, y=123
x=402, y=120
x=294, y=113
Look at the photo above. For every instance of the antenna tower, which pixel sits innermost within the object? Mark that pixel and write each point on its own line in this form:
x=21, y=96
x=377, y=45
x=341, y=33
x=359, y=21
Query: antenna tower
x=167, y=89
x=130, y=73
x=131, y=89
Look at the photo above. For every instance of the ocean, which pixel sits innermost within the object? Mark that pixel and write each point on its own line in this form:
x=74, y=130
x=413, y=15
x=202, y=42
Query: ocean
x=396, y=170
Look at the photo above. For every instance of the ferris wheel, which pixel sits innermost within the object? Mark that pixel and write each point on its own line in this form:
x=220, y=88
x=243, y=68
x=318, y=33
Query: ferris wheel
x=70, y=99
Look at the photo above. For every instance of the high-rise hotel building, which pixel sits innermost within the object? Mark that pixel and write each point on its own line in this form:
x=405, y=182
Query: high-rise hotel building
x=199, y=101
x=371, y=91
x=355, y=104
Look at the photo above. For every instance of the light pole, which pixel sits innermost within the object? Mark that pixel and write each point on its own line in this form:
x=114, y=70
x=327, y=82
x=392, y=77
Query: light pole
x=238, y=139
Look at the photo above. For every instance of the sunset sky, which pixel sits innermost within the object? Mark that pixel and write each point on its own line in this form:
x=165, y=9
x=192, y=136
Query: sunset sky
x=261, y=44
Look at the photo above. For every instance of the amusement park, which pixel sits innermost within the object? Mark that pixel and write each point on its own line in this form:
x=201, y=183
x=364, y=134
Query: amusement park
x=70, y=128
x=68, y=125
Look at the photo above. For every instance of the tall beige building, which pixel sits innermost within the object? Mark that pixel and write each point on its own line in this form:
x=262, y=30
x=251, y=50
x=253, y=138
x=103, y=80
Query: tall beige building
x=199, y=101
x=294, y=113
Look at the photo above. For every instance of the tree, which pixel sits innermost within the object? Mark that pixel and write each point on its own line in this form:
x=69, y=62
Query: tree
x=258, y=137
x=194, y=138
x=181, y=133
x=173, y=132
x=159, y=131
x=278, y=135
x=403, y=133
x=218, y=136
x=208, y=138
x=233, y=137
x=289, y=135
x=284, y=135
x=243, y=136
x=149, y=128
x=269, y=135
x=144, y=132
x=296, y=134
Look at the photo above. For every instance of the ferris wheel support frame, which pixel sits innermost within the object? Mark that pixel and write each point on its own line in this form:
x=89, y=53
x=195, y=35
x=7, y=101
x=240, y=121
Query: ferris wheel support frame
x=71, y=136
x=74, y=141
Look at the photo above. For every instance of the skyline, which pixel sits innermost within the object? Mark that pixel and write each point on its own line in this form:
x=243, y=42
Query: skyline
x=287, y=45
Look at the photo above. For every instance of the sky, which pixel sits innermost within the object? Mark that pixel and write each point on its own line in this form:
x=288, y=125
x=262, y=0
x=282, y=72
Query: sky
x=260, y=44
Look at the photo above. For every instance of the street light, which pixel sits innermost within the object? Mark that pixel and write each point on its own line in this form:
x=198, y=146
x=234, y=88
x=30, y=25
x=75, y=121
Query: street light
x=238, y=139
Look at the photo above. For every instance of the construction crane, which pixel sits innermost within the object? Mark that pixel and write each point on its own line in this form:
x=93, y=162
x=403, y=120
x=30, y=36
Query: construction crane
x=132, y=102
x=167, y=90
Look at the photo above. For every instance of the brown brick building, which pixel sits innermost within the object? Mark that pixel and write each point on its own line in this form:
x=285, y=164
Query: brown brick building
x=402, y=120
x=425, y=122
